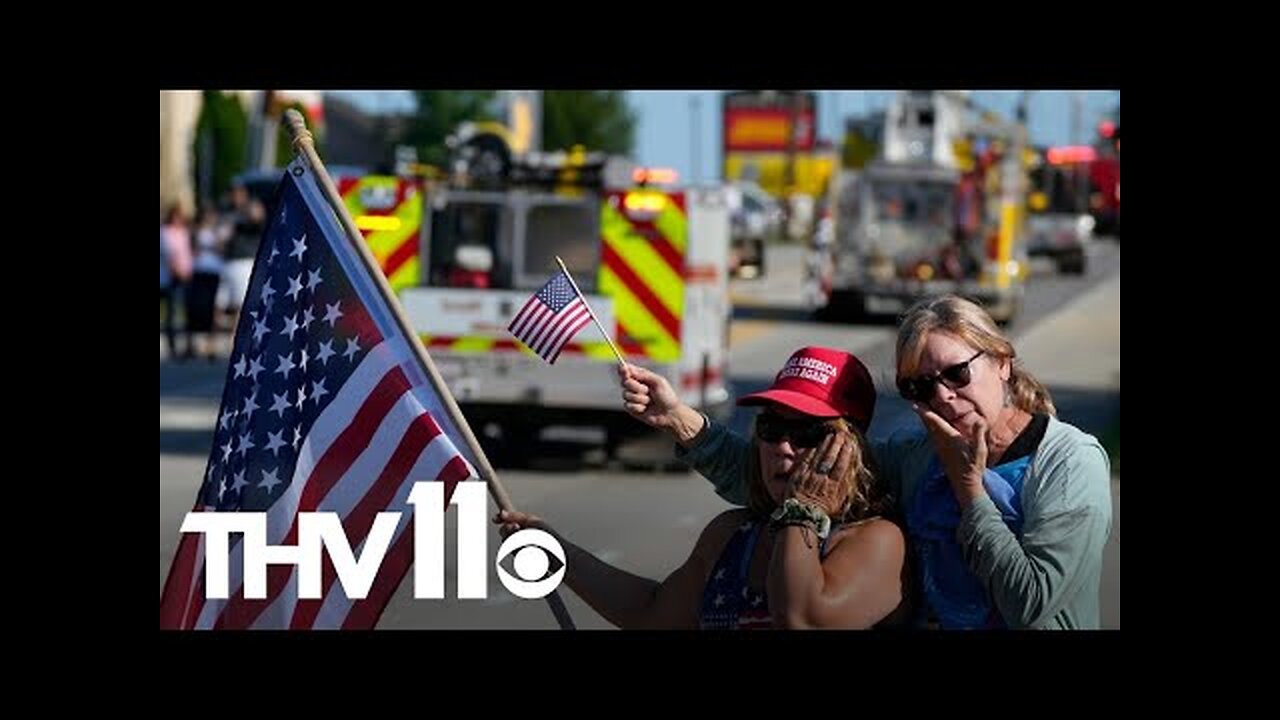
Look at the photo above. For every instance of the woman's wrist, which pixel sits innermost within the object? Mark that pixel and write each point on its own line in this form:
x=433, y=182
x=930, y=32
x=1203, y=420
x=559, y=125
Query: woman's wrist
x=688, y=425
x=793, y=511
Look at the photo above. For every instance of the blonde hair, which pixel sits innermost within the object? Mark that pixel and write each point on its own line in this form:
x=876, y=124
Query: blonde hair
x=867, y=497
x=967, y=321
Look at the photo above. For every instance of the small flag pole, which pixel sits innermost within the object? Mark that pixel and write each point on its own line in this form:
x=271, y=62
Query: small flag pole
x=621, y=361
x=304, y=144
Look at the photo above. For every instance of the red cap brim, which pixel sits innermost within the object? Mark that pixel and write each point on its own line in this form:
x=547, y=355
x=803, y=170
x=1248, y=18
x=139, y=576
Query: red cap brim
x=800, y=402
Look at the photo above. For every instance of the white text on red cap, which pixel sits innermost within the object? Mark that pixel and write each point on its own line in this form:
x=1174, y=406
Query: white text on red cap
x=807, y=368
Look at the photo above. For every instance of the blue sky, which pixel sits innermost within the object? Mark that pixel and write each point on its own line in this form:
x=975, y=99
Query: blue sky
x=681, y=128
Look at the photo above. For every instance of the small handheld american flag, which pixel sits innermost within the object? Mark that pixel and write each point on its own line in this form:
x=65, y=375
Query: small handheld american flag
x=550, y=319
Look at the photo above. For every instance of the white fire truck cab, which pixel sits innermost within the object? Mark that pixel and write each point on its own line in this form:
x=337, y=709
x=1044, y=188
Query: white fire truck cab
x=650, y=257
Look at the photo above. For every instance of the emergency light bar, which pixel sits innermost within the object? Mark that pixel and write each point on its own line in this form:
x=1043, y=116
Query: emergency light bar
x=1071, y=154
x=655, y=176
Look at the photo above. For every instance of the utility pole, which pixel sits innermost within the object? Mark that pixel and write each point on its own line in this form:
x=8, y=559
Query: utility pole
x=1077, y=103
x=695, y=129
x=789, y=176
x=1080, y=177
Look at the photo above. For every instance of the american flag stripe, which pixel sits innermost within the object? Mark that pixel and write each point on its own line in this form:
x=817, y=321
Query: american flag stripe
x=344, y=451
x=196, y=599
x=538, y=330
x=568, y=325
x=562, y=345
x=387, y=462
x=341, y=455
x=341, y=411
x=422, y=454
x=395, y=564
x=542, y=315
x=376, y=458
x=399, y=556
x=389, y=398
x=547, y=334
x=571, y=325
x=326, y=431
x=527, y=314
x=358, y=521
x=554, y=351
x=361, y=452
x=278, y=614
x=180, y=596
x=549, y=344
x=277, y=575
x=195, y=596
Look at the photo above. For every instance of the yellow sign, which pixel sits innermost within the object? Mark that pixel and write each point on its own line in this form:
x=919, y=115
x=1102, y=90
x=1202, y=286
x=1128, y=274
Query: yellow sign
x=758, y=131
x=811, y=172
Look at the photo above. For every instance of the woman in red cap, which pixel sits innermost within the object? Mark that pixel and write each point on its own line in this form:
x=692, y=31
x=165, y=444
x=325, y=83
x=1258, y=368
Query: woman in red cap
x=814, y=548
x=1007, y=508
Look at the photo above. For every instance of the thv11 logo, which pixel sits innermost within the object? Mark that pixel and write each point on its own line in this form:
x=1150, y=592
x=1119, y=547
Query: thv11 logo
x=320, y=530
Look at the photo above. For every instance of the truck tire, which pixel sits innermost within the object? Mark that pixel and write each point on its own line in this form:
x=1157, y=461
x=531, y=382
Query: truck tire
x=649, y=451
x=1072, y=264
x=1005, y=312
x=843, y=306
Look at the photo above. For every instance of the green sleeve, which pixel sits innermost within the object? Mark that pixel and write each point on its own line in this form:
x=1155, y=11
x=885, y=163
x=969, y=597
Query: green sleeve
x=720, y=455
x=1065, y=527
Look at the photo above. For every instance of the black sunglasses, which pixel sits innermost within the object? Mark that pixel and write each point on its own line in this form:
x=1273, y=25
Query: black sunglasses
x=803, y=432
x=920, y=389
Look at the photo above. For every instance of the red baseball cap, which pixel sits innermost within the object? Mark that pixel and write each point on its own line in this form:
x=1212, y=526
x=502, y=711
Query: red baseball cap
x=823, y=382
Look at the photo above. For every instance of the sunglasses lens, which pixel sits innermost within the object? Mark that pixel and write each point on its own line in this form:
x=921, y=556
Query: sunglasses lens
x=801, y=433
x=957, y=376
x=918, y=389
x=768, y=429
x=810, y=437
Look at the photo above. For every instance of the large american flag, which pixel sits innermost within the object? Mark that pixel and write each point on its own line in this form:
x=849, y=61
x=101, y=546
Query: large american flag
x=551, y=317
x=324, y=409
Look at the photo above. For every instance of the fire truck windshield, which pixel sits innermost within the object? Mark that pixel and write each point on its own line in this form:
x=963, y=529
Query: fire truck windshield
x=461, y=232
x=570, y=230
x=908, y=218
x=1060, y=189
x=912, y=202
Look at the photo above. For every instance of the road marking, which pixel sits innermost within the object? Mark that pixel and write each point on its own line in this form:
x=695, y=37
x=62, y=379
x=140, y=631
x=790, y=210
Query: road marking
x=188, y=418
x=741, y=331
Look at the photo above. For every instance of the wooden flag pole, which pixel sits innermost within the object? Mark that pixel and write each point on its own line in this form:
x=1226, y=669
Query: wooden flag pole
x=304, y=144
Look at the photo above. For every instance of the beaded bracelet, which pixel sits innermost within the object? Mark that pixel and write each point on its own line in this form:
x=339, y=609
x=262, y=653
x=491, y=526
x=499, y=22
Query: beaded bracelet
x=794, y=512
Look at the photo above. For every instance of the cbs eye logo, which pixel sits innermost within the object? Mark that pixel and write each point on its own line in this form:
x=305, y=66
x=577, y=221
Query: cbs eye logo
x=530, y=549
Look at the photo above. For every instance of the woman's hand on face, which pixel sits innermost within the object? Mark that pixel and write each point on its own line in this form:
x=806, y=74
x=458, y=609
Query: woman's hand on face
x=963, y=458
x=819, y=476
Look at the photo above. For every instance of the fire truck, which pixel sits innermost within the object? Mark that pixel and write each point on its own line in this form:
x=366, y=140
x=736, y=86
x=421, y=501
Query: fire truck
x=651, y=257
x=939, y=211
x=1060, y=225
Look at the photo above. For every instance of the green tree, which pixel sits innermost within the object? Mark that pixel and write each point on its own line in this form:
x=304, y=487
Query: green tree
x=438, y=115
x=599, y=120
x=858, y=150
x=219, y=145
